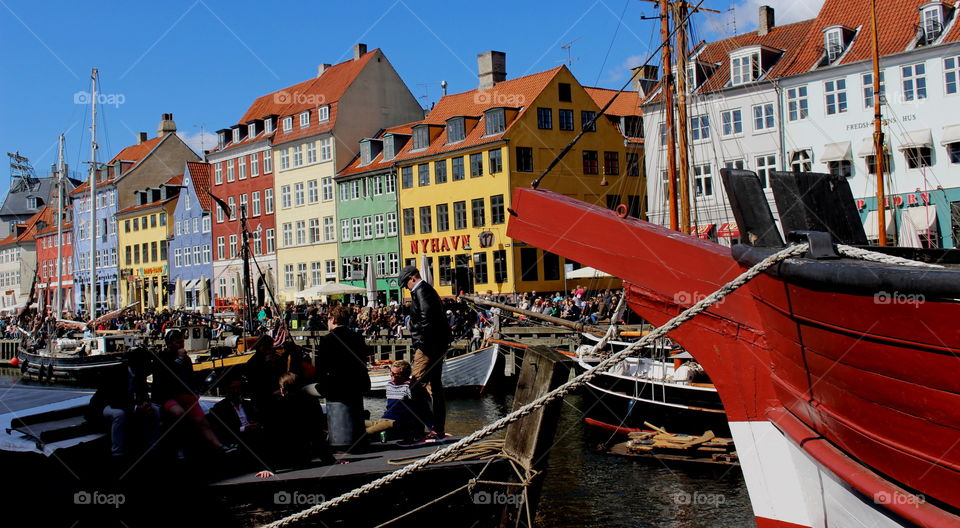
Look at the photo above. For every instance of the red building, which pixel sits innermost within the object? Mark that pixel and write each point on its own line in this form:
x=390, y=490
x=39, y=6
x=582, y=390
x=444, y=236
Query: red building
x=47, y=258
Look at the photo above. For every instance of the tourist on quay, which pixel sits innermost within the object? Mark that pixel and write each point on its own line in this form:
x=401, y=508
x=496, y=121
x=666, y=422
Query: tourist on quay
x=431, y=337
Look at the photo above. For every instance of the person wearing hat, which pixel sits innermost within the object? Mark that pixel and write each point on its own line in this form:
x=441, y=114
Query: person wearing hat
x=431, y=336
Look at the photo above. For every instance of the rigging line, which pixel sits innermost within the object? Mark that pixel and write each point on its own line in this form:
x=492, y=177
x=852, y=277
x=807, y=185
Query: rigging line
x=603, y=111
x=612, y=40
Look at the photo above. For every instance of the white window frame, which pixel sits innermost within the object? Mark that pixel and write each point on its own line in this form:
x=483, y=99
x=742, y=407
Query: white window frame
x=733, y=120
x=345, y=230
x=242, y=168
x=700, y=127
x=255, y=206
x=305, y=119
x=326, y=189
x=288, y=123
x=329, y=229
x=916, y=76
x=765, y=164
x=313, y=192
x=835, y=90
x=745, y=68
x=764, y=118
x=254, y=164
x=326, y=149
x=798, y=103
x=218, y=173
x=323, y=113
x=951, y=71
x=268, y=201
x=703, y=174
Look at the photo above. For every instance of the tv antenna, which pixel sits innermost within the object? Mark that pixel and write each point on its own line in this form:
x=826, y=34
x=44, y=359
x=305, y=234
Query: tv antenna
x=569, y=46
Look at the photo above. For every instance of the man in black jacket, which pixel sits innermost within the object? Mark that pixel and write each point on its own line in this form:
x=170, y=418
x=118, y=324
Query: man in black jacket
x=122, y=397
x=430, y=331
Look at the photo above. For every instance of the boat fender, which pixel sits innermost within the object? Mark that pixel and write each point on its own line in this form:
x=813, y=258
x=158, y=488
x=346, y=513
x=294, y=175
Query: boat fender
x=622, y=210
x=502, y=299
x=14, y=362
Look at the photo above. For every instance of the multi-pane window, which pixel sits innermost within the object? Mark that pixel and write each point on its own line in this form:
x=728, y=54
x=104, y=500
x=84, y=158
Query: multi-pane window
x=745, y=69
x=500, y=266
x=230, y=171
x=288, y=275
x=284, y=159
x=443, y=217
x=323, y=113
x=868, y=101
x=326, y=149
x=801, y=161
x=479, y=212
x=378, y=225
x=314, y=230
x=953, y=151
x=834, y=43
x=329, y=234
x=545, y=118
x=633, y=164
x=426, y=220
x=298, y=196
x=423, y=174
x=931, y=20
x=233, y=246
x=703, y=176
x=480, y=268
x=495, y=161
x=836, y=96
x=409, y=222
x=439, y=171
x=587, y=122
x=843, y=168
x=287, y=232
x=495, y=121
x=312, y=152
x=391, y=224
x=267, y=163
x=243, y=207
x=390, y=185
x=918, y=157
x=255, y=164
x=330, y=269
x=378, y=185
x=271, y=240
x=345, y=229
x=268, y=201
x=326, y=188
x=421, y=137
x=257, y=243
x=232, y=202
x=242, y=167
x=732, y=121
x=951, y=74
x=611, y=163
x=591, y=162
x=496, y=210
x=456, y=130
x=368, y=227
x=298, y=155
x=458, y=173
x=406, y=177
x=313, y=192
x=765, y=165
x=285, y=201
x=798, y=107
x=476, y=165
x=914, y=82
x=459, y=215
x=316, y=273
x=357, y=228
x=701, y=127
x=763, y=117
x=218, y=173
x=734, y=164
x=305, y=119
x=566, y=119
x=524, y=159
x=355, y=189
x=220, y=248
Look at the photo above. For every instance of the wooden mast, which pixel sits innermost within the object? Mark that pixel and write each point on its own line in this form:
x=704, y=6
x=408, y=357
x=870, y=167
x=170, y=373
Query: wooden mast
x=667, y=90
x=878, y=141
x=93, y=196
x=680, y=19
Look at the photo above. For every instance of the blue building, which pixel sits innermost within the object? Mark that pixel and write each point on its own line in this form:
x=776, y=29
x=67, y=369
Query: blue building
x=190, y=248
x=148, y=163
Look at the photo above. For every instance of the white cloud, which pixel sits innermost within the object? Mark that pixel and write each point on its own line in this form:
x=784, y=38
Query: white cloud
x=199, y=141
x=786, y=11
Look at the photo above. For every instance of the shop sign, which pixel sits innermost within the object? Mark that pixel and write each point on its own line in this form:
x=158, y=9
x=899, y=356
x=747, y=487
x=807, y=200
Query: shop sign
x=435, y=245
x=899, y=200
x=486, y=239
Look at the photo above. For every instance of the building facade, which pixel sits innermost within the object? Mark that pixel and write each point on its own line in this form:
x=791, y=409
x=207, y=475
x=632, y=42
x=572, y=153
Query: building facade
x=457, y=169
x=18, y=260
x=190, y=251
x=148, y=163
x=314, y=142
x=48, y=255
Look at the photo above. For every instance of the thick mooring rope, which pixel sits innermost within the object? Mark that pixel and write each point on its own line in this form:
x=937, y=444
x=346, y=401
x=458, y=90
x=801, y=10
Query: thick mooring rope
x=559, y=392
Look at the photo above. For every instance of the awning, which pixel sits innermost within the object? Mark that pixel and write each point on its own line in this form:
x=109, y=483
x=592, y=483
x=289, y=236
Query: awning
x=866, y=146
x=729, y=230
x=871, y=227
x=951, y=134
x=836, y=152
x=587, y=273
x=917, y=139
x=702, y=231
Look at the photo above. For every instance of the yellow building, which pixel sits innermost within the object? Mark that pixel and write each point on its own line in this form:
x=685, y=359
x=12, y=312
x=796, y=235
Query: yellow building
x=457, y=168
x=143, y=233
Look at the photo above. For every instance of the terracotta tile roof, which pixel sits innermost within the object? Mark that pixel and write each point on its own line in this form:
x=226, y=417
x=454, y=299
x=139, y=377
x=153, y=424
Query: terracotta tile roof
x=626, y=104
x=146, y=206
x=52, y=229
x=898, y=21
x=30, y=232
x=200, y=176
x=129, y=157
x=307, y=95
x=176, y=180
x=377, y=163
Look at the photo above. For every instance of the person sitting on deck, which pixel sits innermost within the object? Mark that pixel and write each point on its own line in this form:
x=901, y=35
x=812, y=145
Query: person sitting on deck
x=235, y=420
x=122, y=399
x=407, y=411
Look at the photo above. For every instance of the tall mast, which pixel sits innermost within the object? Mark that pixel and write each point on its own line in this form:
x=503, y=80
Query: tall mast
x=878, y=142
x=680, y=20
x=93, y=196
x=58, y=304
x=245, y=255
x=668, y=112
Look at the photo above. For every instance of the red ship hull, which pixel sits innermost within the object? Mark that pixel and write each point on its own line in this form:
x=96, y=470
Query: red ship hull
x=866, y=393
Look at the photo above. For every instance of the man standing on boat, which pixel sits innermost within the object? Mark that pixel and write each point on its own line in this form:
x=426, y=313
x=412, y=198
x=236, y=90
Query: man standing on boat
x=431, y=336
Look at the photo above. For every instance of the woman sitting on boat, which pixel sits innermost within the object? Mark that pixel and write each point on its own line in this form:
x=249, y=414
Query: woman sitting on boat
x=173, y=389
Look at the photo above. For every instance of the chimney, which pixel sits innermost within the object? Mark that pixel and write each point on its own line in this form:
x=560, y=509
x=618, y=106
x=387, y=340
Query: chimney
x=492, y=66
x=767, y=21
x=167, y=126
x=141, y=137
x=322, y=68
x=359, y=50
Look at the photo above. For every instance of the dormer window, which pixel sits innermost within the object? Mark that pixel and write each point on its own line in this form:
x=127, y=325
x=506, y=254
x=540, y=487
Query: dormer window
x=221, y=138
x=251, y=130
x=323, y=113
x=287, y=124
x=495, y=121
x=236, y=135
x=745, y=68
x=421, y=137
x=388, y=150
x=833, y=42
x=365, y=156
x=268, y=125
x=34, y=202
x=456, y=130
x=305, y=119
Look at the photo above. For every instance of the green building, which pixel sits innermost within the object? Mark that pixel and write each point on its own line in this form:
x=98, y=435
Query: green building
x=367, y=214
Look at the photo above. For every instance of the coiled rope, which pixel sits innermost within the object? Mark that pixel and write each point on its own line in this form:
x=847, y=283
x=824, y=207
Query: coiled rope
x=559, y=392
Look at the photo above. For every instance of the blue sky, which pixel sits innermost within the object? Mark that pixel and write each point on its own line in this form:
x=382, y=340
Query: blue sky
x=205, y=61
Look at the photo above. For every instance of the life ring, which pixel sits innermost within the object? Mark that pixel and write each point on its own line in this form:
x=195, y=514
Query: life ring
x=622, y=210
